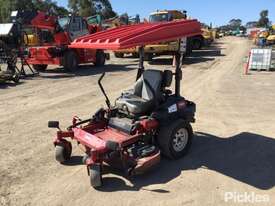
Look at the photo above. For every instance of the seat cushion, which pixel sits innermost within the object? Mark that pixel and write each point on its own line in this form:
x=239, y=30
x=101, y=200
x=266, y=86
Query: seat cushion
x=134, y=104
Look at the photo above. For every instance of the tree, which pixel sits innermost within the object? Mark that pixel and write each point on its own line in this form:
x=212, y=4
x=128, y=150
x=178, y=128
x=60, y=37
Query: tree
x=263, y=21
x=87, y=8
x=108, y=11
x=92, y=7
x=235, y=23
x=6, y=6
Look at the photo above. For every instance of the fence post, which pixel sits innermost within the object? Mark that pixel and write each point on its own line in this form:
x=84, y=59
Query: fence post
x=246, y=68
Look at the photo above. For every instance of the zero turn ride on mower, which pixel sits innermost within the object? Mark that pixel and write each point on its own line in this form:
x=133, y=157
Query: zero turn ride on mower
x=144, y=122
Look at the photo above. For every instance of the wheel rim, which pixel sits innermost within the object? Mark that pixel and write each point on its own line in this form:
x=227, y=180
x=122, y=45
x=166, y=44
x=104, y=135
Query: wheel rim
x=180, y=140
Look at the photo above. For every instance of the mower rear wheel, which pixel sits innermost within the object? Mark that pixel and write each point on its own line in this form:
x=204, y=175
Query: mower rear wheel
x=40, y=67
x=63, y=151
x=70, y=61
x=175, y=139
x=100, y=58
x=95, y=175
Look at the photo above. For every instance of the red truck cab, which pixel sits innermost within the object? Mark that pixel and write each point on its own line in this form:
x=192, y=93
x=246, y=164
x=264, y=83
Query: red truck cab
x=55, y=36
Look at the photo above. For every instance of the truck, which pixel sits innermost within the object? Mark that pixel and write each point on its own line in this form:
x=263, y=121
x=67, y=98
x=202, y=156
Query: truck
x=55, y=34
x=193, y=43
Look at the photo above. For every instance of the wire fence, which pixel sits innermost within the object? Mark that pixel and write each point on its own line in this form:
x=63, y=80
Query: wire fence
x=262, y=59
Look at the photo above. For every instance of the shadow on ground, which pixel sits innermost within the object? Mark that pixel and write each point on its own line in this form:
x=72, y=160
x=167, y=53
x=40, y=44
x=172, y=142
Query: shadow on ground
x=246, y=157
x=85, y=70
x=197, y=56
x=9, y=84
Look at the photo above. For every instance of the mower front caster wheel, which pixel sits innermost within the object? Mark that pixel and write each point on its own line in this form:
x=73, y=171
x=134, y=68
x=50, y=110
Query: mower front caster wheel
x=175, y=139
x=95, y=175
x=63, y=151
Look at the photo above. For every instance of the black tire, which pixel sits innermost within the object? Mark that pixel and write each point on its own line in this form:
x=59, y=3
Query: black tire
x=167, y=137
x=16, y=78
x=95, y=175
x=148, y=56
x=63, y=151
x=119, y=55
x=135, y=55
x=100, y=58
x=70, y=61
x=40, y=67
x=189, y=46
x=196, y=44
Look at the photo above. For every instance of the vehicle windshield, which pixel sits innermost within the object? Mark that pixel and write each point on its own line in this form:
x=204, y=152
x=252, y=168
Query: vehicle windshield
x=159, y=18
x=63, y=22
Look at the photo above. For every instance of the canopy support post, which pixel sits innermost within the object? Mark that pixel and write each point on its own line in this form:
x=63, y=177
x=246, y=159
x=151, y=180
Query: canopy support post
x=179, y=58
x=141, y=62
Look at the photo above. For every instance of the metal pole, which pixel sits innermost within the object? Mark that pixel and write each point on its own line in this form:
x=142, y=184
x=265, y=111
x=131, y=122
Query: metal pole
x=141, y=62
x=179, y=59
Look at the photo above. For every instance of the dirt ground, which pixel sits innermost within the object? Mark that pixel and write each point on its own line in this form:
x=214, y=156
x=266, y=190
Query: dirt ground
x=233, y=150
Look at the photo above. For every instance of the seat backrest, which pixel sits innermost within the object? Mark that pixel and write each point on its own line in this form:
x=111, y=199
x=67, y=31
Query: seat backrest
x=149, y=85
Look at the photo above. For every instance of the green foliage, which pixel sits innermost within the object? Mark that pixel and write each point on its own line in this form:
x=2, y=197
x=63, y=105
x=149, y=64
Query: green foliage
x=235, y=23
x=6, y=6
x=92, y=7
x=263, y=21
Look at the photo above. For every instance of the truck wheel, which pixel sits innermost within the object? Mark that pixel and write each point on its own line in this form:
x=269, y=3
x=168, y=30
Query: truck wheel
x=135, y=55
x=175, y=139
x=95, y=175
x=40, y=67
x=70, y=61
x=196, y=44
x=100, y=58
x=148, y=56
x=63, y=151
x=118, y=55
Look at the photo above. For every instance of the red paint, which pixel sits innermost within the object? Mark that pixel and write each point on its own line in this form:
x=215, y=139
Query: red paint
x=149, y=124
x=138, y=35
x=89, y=140
x=40, y=55
x=43, y=21
x=62, y=38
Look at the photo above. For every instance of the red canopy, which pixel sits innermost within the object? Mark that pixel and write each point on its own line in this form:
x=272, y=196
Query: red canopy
x=138, y=35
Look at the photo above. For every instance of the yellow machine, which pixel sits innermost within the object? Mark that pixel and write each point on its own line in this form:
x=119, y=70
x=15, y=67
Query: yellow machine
x=31, y=40
x=267, y=35
x=150, y=51
x=208, y=36
x=271, y=38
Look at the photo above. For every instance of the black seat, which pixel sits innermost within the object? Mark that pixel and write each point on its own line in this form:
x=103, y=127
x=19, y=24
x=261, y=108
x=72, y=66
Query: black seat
x=146, y=94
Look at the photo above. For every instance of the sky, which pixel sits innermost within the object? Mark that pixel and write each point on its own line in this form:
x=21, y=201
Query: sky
x=217, y=12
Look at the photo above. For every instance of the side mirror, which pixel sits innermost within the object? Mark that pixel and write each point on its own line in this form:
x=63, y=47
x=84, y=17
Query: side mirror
x=53, y=124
